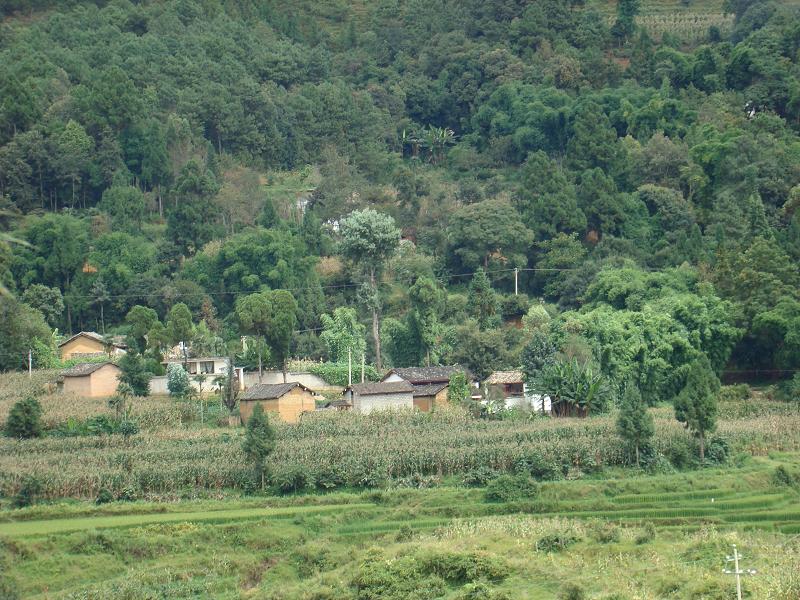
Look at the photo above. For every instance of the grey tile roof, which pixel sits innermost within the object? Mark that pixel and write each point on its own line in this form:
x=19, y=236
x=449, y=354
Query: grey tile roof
x=427, y=374
x=505, y=377
x=270, y=391
x=82, y=369
x=430, y=389
x=383, y=387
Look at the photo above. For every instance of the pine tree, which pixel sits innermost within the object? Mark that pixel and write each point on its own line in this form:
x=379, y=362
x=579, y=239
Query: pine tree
x=259, y=442
x=135, y=374
x=696, y=404
x=634, y=423
x=482, y=301
x=25, y=419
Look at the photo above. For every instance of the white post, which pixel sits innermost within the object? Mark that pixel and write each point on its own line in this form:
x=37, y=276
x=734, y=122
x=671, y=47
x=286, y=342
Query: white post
x=363, y=363
x=30, y=363
x=738, y=573
x=516, y=281
x=349, y=367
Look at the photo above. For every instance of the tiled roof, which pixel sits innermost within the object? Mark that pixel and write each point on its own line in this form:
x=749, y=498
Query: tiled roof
x=505, y=377
x=427, y=374
x=270, y=391
x=383, y=387
x=83, y=369
x=430, y=389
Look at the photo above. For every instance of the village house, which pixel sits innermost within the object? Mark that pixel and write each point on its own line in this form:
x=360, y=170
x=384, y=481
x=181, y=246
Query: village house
x=91, y=380
x=205, y=374
x=88, y=344
x=286, y=400
x=510, y=387
x=430, y=383
x=367, y=397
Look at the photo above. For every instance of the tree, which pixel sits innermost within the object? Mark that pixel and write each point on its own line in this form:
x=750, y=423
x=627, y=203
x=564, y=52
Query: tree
x=426, y=304
x=696, y=405
x=74, y=147
x=25, y=419
x=575, y=387
x=540, y=351
x=21, y=328
x=177, y=381
x=135, y=373
x=482, y=301
x=272, y=316
x=100, y=296
x=486, y=231
x=634, y=423
x=625, y=24
x=192, y=222
x=458, y=390
x=140, y=321
x=259, y=442
x=179, y=325
x=46, y=300
x=127, y=207
x=341, y=332
x=369, y=239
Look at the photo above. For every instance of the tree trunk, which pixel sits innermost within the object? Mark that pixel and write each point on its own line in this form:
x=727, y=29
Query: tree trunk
x=260, y=370
x=102, y=319
x=376, y=330
x=284, y=370
x=702, y=447
x=637, y=456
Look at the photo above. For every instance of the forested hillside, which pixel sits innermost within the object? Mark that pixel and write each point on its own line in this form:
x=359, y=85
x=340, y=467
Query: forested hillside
x=640, y=168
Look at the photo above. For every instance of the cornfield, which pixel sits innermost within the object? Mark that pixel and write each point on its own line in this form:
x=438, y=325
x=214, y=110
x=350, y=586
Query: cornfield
x=329, y=450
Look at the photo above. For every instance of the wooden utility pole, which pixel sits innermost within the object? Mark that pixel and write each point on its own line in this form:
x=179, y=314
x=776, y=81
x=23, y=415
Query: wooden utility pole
x=516, y=281
x=737, y=571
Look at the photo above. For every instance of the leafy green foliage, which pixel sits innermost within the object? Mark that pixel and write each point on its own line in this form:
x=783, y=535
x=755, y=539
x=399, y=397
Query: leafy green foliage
x=341, y=333
x=574, y=388
x=696, y=405
x=135, y=374
x=634, y=423
x=177, y=380
x=511, y=488
x=259, y=441
x=25, y=419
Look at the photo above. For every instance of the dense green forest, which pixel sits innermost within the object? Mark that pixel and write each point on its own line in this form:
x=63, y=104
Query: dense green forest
x=167, y=166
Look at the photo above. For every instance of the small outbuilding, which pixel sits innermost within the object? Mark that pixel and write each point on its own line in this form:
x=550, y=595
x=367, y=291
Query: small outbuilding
x=91, y=380
x=366, y=397
x=430, y=396
x=88, y=344
x=286, y=400
x=510, y=387
x=430, y=383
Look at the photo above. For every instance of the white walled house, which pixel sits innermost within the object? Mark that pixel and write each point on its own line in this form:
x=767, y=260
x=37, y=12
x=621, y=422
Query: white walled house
x=210, y=368
x=510, y=386
x=367, y=397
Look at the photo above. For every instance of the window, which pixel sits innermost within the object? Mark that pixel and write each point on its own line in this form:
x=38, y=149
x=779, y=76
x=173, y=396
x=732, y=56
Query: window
x=207, y=366
x=192, y=367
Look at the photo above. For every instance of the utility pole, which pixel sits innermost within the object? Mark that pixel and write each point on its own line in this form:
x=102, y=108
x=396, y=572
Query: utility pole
x=349, y=367
x=516, y=281
x=30, y=363
x=363, y=364
x=737, y=571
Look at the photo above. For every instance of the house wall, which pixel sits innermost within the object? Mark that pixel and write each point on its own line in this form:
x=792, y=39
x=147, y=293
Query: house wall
x=366, y=404
x=104, y=381
x=100, y=384
x=441, y=398
x=81, y=345
x=393, y=377
x=288, y=408
x=158, y=384
x=424, y=403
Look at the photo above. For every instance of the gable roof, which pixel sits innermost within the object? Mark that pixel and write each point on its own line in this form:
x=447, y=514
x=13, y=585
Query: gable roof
x=92, y=335
x=382, y=387
x=83, y=369
x=505, y=377
x=427, y=374
x=430, y=389
x=271, y=391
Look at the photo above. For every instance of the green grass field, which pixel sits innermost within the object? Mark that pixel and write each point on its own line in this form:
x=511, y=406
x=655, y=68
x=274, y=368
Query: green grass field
x=442, y=542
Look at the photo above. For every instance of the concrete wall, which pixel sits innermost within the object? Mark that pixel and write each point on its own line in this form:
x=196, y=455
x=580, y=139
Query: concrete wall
x=158, y=383
x=428, y=403
x=288, y=408
x=366, y=404
x=393, y=377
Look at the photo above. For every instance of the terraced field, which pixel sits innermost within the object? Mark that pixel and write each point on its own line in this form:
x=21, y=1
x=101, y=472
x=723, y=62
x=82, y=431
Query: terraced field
x=297, y=547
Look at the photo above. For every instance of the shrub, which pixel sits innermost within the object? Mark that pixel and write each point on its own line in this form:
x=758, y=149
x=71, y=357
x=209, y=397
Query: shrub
x=717, y=451
x=291, y=480
x=128, y=428
x=337, y=373
x=605, y=533
x=681, y=454
x=647, y=535
x=177, y=381
x=510, y=488
x=461, y=567
x=539, y=467
x=25, y=419
x=781, y=476
x=556, y=542
x=729, y=393
x=404, y=534
x=104, y=496
x=571, y=591
x=8, y=589
x=478, y=476
x=28, y=492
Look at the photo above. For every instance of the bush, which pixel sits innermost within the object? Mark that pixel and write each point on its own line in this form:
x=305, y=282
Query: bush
x=291, y=480
x=177, y=381
x=511, y=488
x=8, y=589
x=336, y=373
x=458, y=567
x=571, y=591
x=28, y=492
x=479, y=476
x=730, y=393
x=647, y=535
x=605, y=533
x=681, y=454
x=717, y=451
x=25, y=419
x=128, y=427
x=104, y=496
x=540, y=468
x=556, y=542
x=783, y=477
